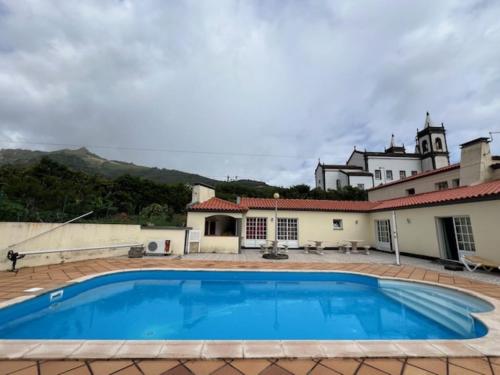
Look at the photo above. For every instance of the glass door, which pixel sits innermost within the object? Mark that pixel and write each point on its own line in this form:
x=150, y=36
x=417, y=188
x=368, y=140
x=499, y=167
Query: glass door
x=383, y=234
x=288, y=232
x=256, y=231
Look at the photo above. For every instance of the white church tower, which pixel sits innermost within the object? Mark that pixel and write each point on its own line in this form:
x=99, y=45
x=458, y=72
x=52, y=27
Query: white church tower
x=432, y=146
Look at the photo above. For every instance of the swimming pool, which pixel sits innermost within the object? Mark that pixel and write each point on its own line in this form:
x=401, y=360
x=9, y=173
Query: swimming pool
x=244, y=305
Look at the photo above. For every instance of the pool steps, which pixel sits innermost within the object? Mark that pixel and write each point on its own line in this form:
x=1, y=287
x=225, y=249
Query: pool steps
x=440, y=307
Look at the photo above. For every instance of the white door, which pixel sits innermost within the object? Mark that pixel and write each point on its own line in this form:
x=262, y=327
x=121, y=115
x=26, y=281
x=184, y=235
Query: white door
x=463, y=235
x=256, y=231
x=288, y=232
x=383, y=234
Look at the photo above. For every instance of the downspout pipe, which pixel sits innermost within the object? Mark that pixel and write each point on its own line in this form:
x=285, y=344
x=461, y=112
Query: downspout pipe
x=395, y=238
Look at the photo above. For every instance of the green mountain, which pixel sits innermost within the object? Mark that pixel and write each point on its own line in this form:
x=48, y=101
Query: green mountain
x=85, y=161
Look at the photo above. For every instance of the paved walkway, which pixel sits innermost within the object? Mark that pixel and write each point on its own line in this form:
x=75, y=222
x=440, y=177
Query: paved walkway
x=15, y=285
x=333, y=256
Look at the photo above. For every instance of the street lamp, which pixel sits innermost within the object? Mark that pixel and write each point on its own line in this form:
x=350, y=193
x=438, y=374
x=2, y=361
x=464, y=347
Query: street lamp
x=274, y=254
x=276, y=196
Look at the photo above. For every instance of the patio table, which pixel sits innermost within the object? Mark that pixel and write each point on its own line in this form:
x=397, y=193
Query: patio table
x=318, y=247
x=354, y=244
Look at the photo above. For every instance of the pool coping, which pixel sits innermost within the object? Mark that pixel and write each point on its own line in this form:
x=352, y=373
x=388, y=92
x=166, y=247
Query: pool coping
x=488, y=345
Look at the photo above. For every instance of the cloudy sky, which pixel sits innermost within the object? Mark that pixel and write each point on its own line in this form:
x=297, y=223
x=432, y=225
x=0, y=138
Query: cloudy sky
x=256, y=89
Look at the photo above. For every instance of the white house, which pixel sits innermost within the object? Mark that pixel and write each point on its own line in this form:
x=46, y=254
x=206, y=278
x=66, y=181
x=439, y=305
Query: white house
x=367, y=169
x=439, y=223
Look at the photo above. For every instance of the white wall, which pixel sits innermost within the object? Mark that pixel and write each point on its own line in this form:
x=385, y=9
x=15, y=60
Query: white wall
x=421, y=185
x=79, y=236
x=318, y=177
x=393, y=164
x=210, y=244
x=331, y=177
x=417, y=227
x=367, y=181
x=317, y=226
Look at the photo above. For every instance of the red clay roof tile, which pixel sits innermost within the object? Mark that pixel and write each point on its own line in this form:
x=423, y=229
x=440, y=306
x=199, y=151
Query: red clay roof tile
x=307, y=204
x=484, y=190
x=217, y=204
x=487, y=189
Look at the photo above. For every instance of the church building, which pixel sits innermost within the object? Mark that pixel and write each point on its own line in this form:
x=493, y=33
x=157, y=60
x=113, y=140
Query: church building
x=367, y=169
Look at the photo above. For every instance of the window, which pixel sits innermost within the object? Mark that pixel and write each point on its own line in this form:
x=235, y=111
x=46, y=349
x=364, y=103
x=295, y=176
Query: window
x=378, y=174
x=455, y=183
x=402, y=174
x=442, y=185
x=361, y=186
x=256, y=228
x=439, y=144
x=339, y=184
x=425, y=146
x=410, y=191
x=463, y=231
x=338, y=224
x=413, y=173
x=287, y=229
x=383, y=231
x=388, y=174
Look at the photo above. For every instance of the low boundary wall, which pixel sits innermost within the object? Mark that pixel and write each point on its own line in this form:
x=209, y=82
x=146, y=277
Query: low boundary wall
x=80, y=236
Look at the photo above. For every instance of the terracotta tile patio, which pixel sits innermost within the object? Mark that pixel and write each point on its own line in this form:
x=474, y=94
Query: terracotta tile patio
x=14, y=285
x=359, y=366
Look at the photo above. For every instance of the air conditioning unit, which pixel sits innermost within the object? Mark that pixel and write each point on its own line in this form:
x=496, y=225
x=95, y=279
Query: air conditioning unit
x=158, y=247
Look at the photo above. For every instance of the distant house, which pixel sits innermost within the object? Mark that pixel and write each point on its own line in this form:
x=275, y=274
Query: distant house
x=367, y=169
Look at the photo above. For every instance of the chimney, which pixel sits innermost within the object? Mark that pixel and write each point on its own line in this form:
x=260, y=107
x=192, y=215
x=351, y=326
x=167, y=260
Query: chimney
x=475, y=162
x=202, y=193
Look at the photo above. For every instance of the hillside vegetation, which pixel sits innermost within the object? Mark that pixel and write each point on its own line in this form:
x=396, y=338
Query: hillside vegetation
x=47, y=191
x=85, y=161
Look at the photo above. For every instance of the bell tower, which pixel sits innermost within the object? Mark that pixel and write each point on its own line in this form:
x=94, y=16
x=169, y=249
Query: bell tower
x=432, y=146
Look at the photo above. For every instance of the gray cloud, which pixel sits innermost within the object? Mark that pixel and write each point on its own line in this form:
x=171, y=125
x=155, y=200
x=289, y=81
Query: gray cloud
x=294, y=78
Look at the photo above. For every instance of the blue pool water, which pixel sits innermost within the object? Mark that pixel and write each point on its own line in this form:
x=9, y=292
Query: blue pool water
x=181, y=305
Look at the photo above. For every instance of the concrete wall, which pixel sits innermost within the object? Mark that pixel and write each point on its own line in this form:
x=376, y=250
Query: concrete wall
x=331, y=177
x=318, y=177
x=475, y=161
x=201, y=193
x=78, y=236
x=421, y=185
x=317, y=226
x=367, y=181
x=418, y=234
x=210, y=244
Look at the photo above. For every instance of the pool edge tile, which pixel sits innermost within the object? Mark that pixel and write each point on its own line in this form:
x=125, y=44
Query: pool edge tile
x=135, y=350
x=181, y=349
x=222, y=349
x=339, y=349
x=97, y=349
x=53, y=350
x=263, y=349
x=302, y=349
x=16, y=350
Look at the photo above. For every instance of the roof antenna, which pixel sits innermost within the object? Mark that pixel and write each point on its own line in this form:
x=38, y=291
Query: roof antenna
x=491, y=135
